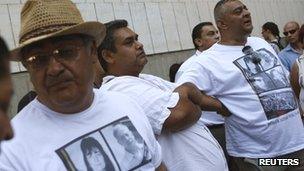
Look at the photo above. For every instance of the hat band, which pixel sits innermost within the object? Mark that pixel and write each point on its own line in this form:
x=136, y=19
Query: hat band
x=44, y=31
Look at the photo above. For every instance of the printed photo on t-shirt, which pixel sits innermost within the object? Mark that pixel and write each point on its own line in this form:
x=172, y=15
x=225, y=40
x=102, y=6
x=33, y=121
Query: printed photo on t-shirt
x=277, y=104
x=127, y=145
x=116, y=146
x=266, y=76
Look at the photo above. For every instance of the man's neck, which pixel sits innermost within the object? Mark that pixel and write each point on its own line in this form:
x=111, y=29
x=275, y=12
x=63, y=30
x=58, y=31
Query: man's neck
x=119, y=73
x=229, y=39
x=71, y=108
x=201, y=49
x=297, y=46
x=272, y=38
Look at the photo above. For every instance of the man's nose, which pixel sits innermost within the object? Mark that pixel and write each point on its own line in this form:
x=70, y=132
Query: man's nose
x=139, y=45
x=54, y=67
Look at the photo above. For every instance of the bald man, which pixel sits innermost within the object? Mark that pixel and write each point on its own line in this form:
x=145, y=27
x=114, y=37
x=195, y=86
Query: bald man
x=294, y=49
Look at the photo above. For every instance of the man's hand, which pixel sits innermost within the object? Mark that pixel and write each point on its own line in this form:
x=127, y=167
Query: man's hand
x=224, y=111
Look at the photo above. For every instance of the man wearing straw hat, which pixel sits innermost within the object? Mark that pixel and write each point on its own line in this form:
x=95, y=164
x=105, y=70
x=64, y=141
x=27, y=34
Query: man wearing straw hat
x=59, y=50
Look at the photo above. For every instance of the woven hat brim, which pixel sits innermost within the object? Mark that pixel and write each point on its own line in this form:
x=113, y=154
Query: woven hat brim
x=95, y=29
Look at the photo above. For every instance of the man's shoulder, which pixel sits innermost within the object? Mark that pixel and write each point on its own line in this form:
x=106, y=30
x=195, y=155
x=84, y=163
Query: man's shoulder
x=121, y=83
x=27, y=113
x=252, y=38
x=196, y=59
x=109, y=96
x=150, y=77
x=284, y=52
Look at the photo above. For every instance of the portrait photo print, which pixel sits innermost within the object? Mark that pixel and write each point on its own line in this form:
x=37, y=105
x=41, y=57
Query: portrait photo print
x=116, y=146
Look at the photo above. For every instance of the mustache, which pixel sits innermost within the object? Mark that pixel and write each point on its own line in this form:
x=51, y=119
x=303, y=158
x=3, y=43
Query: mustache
x=52, y=81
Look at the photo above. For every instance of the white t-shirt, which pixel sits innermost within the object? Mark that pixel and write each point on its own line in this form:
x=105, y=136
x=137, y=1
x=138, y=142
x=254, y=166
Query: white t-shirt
x=46, y=140
x=208, y=118
x=191, y=149
x=266, y=120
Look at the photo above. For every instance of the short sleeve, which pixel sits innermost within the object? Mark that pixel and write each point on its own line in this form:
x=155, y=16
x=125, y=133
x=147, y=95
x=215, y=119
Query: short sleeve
x=154, y=101
x=157, y=158
x=145, y=129
x=195, y=73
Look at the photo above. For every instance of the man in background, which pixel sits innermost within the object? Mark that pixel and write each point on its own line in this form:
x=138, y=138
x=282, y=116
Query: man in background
x=294, y=49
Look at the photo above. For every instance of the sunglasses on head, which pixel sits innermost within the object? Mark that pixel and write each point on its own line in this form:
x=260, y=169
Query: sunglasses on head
x=289, y=32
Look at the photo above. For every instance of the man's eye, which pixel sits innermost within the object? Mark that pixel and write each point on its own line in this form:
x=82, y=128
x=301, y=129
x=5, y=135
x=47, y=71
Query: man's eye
x=129, y=42
x=211, y=33
x=238, y=11
x=66, y=53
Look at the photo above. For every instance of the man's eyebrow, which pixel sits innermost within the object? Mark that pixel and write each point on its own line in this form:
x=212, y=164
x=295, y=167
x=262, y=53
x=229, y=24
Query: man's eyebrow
x=239, y=8
x=129, y=38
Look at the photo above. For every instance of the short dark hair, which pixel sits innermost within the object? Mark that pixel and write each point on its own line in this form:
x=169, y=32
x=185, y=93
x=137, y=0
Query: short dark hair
x=218, y=11
x=272, y=27
x=109, y=41
x=197, y=30
x=301, y=34
x=87, y=145
x=4, y=57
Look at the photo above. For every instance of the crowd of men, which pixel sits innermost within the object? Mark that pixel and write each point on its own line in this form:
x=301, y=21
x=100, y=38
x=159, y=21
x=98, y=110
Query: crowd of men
x=231, y=103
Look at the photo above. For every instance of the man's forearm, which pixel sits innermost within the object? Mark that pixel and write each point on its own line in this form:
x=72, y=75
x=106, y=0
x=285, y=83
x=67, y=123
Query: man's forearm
x=206, y=103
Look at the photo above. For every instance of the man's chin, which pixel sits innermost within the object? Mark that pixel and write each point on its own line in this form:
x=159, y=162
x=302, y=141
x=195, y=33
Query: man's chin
x=64, y=97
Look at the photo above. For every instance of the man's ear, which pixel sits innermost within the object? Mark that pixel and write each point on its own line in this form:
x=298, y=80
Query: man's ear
x=198, y=42
x=93, y=51
x=221, y=25
x=107, y=56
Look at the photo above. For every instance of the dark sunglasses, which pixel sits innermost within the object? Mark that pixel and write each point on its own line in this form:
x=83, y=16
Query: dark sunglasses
x=291, y=32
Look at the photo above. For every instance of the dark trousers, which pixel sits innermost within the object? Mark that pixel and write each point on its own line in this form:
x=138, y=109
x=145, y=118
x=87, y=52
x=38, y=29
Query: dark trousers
x=218, y=131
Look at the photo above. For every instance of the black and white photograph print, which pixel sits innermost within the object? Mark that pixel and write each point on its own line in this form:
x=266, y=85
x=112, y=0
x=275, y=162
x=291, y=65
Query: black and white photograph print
x=128, y=147
x=278, y=76
x=268, y=60
x=272, y=79
x=256, y=62
x=88, y=153
x=278, y=104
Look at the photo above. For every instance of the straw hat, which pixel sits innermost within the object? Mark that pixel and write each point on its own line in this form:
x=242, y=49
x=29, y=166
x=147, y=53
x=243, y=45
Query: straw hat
x=42, y=19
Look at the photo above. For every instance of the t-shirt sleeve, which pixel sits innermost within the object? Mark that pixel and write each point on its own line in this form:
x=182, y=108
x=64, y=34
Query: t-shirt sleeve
x=157, y=158
x=196, y=74
x=154, y=101
x=143, y=126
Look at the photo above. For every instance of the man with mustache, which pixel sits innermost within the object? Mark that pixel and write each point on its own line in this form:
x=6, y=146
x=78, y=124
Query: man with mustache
x=261, y=124
x=59, y=51
x=173, y=111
